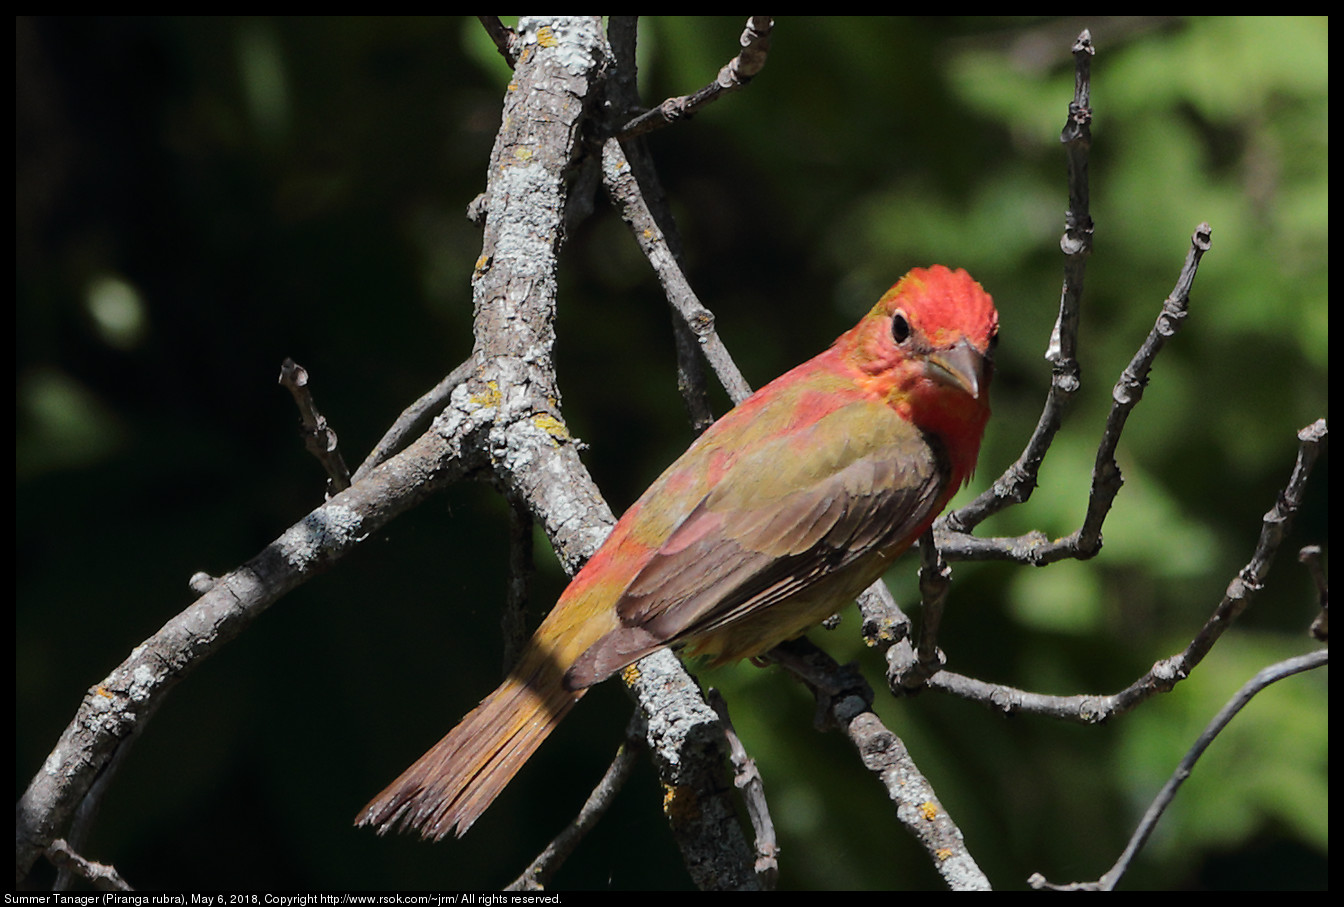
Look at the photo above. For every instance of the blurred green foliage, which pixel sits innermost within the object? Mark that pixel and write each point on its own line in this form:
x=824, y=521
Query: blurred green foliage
x=198, y=198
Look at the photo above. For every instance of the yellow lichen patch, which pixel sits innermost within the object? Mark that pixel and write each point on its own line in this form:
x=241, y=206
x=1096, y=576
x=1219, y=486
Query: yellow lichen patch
x=679, y=803
x=883, y=633
x=929, y=809
x=490, y=397
x=630, y=675
x=546, y=37
x=943, y=853
x=552, y=426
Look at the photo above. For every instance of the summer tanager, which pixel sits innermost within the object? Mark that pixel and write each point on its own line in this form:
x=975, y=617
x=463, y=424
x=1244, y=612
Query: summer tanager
x=777, y=516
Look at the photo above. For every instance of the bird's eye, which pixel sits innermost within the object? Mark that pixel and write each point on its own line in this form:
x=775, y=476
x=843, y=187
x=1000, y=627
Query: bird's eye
x=900, y=328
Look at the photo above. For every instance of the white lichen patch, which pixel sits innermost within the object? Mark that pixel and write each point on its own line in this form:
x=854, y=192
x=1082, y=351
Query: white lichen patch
x=570, y=36
x=327, y=529
x=143, y=682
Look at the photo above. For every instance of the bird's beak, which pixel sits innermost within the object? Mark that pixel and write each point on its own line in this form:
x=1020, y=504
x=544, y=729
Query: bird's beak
x=961, y=366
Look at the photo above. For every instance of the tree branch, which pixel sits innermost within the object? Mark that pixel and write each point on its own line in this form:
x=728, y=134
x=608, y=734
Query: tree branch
x=1165, y=674
x=415, y=419
x=632, y=184
x=503, y=37
x=116, y=707
x=537, y=875
x=740, y=70
x=318, y=436
x=1019, y=480
x=1249, y=691
x=844, y=701
x=101, y=876
x=1034, y=548
x=747, y=779
x=535, y=460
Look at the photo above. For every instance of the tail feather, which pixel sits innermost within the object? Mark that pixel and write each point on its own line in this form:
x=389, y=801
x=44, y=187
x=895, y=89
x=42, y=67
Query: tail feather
x=448, y=788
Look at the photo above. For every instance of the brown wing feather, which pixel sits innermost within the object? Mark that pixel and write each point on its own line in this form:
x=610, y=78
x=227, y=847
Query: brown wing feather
x=753, y=544
x=849, y=516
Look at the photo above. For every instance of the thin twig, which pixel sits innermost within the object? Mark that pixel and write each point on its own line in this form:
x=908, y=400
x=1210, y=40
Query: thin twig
x=626, y=193
x=101, y=876
x=632, y=184
x=1018, y=482
x=1165, y=674
x=844, y=702
x=1034, y=548
x=415, y=419
x=740, y=70
x=912, y=662
x=503, y=36
x=539, y=873
x=1274, y=528
x=1310, y=557
x=318, y=437
x=747, y=779
x=1260, y=681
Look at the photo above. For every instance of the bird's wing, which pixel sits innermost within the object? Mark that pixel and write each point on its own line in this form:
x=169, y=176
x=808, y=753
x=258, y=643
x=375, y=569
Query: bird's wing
x=857, y=483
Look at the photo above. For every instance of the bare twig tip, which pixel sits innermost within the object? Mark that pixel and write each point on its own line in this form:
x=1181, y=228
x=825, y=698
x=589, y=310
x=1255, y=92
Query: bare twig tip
x=1314, y=433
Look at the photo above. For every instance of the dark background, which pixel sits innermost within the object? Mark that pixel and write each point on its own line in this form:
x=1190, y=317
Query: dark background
x=197, y=198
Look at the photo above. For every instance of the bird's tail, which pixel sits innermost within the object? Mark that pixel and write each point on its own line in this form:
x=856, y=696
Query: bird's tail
x=448, y=788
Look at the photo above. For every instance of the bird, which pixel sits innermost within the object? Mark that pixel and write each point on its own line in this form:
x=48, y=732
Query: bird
x=775, y=517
